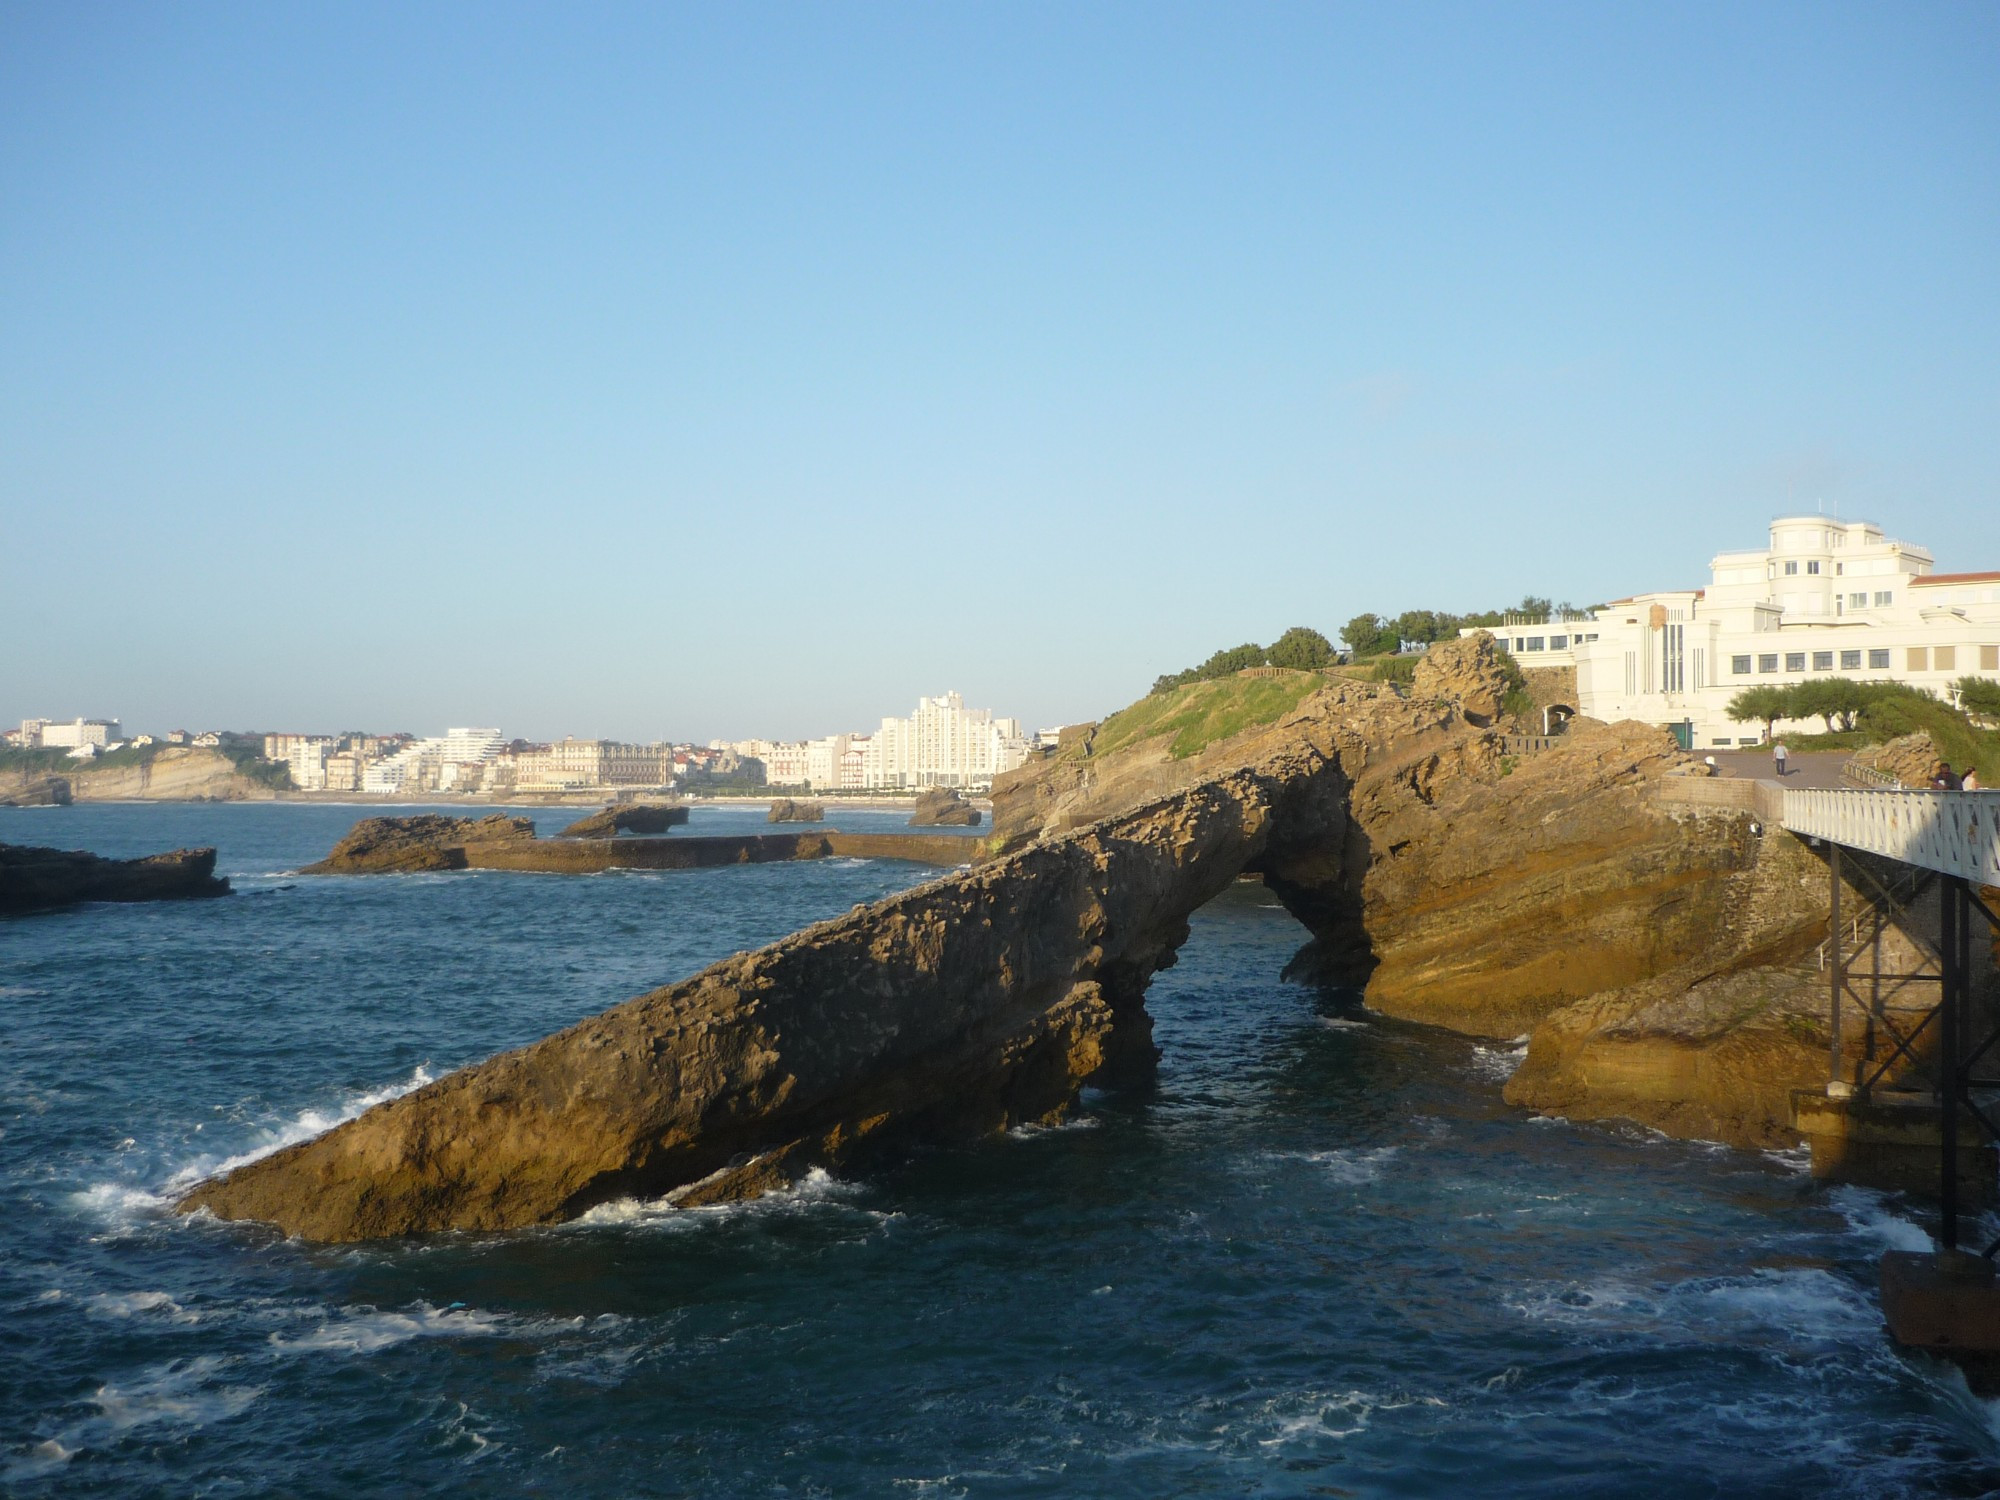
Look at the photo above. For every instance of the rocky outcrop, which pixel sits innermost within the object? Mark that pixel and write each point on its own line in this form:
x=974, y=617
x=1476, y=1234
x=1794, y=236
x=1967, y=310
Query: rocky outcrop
x=631, y=817
x=974, y=1002
x=35, y=879
x=50, y=791
x=1465, y=672
x=1910, y=759
x=943, y=807
x=785, y=810
x=429, y=841
x=1488, y=892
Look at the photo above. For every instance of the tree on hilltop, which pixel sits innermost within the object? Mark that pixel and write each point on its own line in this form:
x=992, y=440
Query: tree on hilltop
x=1368, y=635
x=1302, y=649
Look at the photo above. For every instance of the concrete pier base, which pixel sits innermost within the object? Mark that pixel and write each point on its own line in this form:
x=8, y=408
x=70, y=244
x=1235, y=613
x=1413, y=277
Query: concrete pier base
x=1894, y=1142
x=1948, y=1302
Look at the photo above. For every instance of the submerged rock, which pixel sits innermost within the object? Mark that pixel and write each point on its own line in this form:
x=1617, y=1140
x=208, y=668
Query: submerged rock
x=785, y=810
x=428, y=841
x=33, y=879
x=631, y=817
x=943, y=807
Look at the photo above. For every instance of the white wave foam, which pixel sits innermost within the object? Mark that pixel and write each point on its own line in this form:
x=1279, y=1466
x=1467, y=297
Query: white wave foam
x=1032, y=1131
x=1313, y=1415
x=1499, y=1062
x=817, y=1189
x=1342, y=1023
x=1868, y=1215
x=183, y=1394
x=365, y=1330
x=1353, y=1165
x=301, y=1127
x=137, y=1304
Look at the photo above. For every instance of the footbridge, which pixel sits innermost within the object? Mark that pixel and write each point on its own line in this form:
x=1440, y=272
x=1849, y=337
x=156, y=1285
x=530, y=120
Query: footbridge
x=1931, y=1070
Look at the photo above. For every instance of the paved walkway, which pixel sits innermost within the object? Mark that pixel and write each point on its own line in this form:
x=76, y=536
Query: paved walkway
x=1802, y=769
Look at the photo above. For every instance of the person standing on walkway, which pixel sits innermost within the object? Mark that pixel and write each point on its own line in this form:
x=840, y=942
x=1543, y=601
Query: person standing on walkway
x=1778, y=755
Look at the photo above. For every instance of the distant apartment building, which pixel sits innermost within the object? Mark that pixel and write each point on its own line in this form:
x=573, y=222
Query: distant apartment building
x=943, y=743
x=1826, y=598
x=48, y=734
x=305, y=754
x=342, y=771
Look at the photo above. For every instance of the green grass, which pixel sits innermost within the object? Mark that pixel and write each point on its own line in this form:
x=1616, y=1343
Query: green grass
x=1203, y=713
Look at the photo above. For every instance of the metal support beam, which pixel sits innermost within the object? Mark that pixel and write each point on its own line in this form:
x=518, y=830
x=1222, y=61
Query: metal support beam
x=1951, y=920
x=1835, y=1083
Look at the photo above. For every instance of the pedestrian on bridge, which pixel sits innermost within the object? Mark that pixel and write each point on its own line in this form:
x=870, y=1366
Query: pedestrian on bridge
x=1778, y=753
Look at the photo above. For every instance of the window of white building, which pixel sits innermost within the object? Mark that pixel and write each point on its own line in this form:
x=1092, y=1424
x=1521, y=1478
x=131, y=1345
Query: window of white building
x=1878, y=659
x=1884, y=598
x=1795, y=661
x=1768, y=662
x=1850, y=661
x=1740, y=665
x=1822, y=661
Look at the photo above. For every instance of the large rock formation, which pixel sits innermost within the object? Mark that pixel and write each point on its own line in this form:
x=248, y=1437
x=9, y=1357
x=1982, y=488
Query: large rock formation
x=428, y=841
x=35, y=879
x=786, y=810
x=962, y=1006
x=943, y=807
x=174, y=773
x=1910, y=759
x=630, y=817
x=1461, y=885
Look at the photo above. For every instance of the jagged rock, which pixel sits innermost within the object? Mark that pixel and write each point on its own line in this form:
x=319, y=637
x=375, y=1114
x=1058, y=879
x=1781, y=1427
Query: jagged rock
x=1484, y=892
x=33, y=879
x=632, y=817
x=785, y=810
x=960, y=1007
x=50, y=791
x=1910, y=759
x=428, y=841
x=943, y=807
x=1465, y=670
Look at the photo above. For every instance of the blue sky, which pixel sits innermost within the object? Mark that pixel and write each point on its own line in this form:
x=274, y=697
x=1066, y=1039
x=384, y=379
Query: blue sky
x=684, y=371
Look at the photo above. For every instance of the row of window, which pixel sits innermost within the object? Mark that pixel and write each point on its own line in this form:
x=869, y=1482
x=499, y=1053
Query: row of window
x=1552, y=643
x=1916, y=659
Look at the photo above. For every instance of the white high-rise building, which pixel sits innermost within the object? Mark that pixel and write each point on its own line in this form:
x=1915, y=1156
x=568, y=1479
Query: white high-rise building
x=943, y=743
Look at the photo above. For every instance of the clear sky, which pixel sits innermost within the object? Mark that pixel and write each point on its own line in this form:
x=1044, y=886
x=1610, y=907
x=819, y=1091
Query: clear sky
x=657, y=371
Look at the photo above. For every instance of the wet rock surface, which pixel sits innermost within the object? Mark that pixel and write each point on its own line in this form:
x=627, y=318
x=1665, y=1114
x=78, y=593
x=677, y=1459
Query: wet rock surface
x=37, y=879
x=786, y=810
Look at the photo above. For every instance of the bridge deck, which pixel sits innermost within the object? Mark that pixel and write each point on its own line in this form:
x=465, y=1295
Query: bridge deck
x=1954, y=833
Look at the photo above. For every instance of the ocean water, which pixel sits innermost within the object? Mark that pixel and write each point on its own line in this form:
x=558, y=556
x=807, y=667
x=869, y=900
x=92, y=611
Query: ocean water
x=1320, y=1257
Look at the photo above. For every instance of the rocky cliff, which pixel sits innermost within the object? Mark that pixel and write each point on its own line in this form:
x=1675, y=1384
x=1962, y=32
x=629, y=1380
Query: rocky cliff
x=1460, y=885
x=177, y=773
x=35, y=879
x=428, y=841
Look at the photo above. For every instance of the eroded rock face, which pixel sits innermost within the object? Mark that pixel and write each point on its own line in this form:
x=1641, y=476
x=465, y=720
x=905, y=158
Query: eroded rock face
x=35, y=879
x=786, y=810
x=50, y=791
x=428, y=841
x=1465, y=671
x=976, y=1001
x=1489, y=893
x=632, y=817
x=943, y=807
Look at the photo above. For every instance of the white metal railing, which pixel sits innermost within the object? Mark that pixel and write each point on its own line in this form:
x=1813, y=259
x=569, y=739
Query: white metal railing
x=1954, y=833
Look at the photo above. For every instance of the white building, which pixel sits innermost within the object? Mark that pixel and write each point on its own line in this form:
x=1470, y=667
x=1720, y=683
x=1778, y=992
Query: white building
x=943, y=743
x=44, y=734
x=1827, y=598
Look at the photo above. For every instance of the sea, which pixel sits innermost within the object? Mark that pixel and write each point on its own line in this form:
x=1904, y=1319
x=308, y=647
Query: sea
x=1319, y=1255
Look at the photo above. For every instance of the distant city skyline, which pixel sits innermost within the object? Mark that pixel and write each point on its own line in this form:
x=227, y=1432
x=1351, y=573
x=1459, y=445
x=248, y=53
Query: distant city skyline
x=673, y=373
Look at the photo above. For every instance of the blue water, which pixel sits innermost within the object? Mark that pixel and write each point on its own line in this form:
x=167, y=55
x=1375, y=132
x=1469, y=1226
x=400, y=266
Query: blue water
x=1321, y=1257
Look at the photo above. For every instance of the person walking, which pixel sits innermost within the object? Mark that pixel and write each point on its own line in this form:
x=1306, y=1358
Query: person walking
x=1969, y=782
x=1778, y=755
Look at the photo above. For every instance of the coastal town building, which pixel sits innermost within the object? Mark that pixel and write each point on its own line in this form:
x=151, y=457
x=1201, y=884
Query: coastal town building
x=573, y=764
x=1826, y=598
x=49, y=734
x=943, y=743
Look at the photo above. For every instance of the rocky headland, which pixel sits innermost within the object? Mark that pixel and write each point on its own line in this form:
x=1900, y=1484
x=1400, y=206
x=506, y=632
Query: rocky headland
x=943, y=807
x=631, y=817
x=49, y=791
x=36, y=879
x=175, y=773
x=1653, y=954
